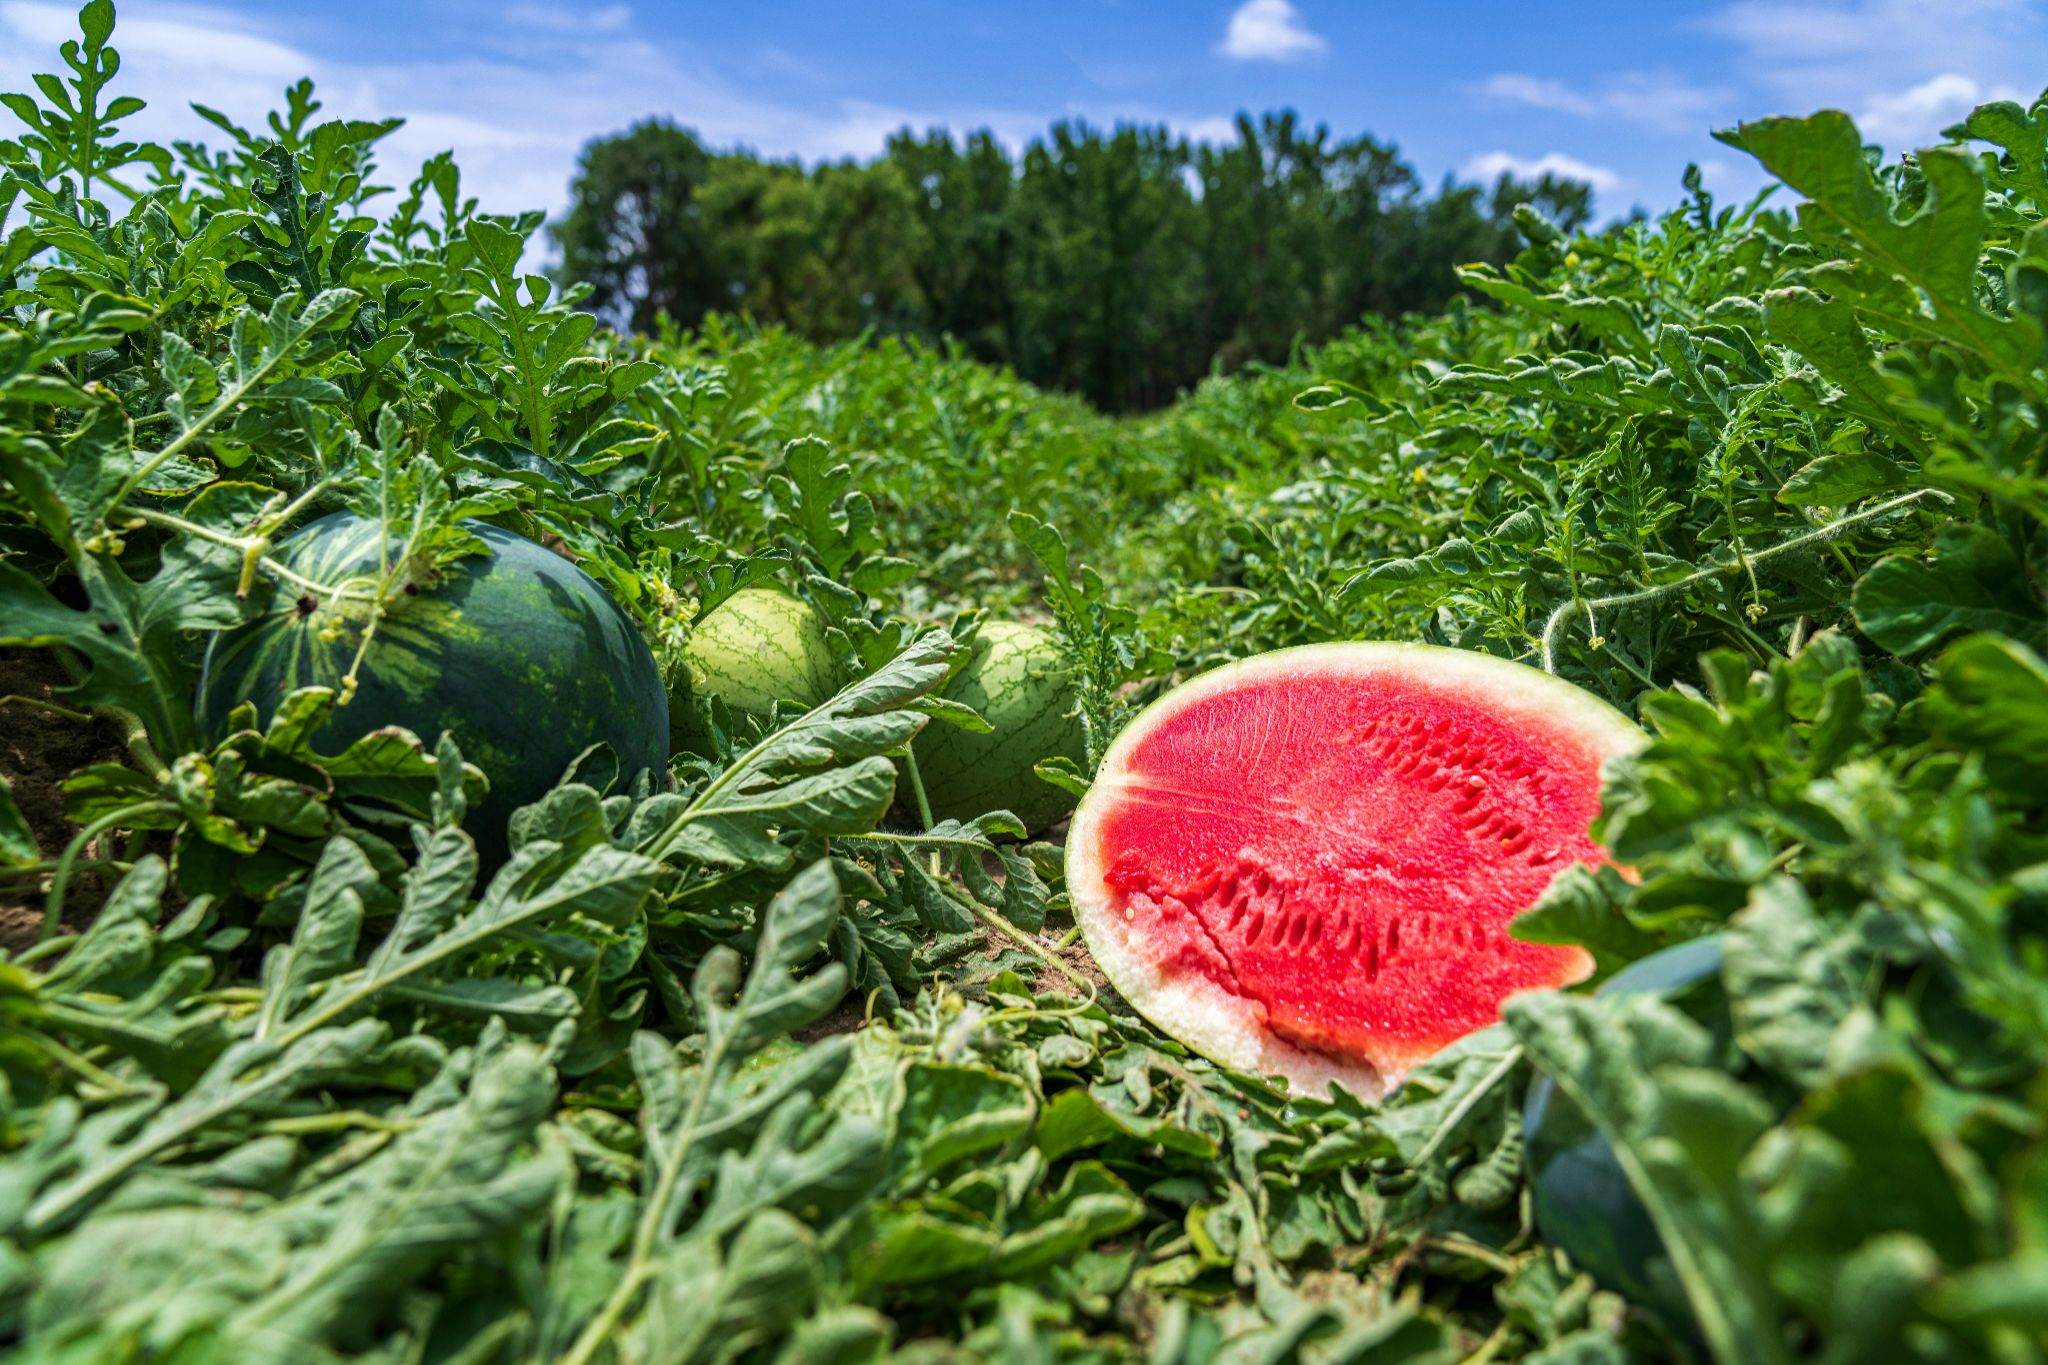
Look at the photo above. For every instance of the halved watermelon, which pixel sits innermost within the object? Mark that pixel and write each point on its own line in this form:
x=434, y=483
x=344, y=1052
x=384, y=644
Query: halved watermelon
x=1305, y=863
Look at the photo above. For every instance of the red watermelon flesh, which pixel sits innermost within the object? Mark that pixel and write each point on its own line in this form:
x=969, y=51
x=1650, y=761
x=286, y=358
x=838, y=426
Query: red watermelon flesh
x=1305, y=863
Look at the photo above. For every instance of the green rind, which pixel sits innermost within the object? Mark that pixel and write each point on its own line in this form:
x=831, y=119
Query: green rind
x=759, y=647
x=1227, y=1028
x=518, y=653
x=1015, y=678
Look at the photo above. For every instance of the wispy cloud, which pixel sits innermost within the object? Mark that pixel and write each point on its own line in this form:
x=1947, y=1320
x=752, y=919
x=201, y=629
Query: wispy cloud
x=1269, y=31
x=1534, y=92
x=1488, y=167
x=1219, y=130
x=1656, y=99
x=570, y=18
x=516, y=114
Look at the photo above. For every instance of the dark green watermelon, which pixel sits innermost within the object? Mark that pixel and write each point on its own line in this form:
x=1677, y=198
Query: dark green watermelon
x=1581, y=1196
x=517, y=652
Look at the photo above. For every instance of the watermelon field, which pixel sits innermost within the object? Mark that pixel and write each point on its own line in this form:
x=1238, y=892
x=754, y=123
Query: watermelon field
x=526, y=843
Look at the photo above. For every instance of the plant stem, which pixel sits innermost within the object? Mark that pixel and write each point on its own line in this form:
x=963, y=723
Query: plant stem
x=1553, y=629
x=71, y=1061
x=39, y=704
x=229, y=396
x=1030, y=944
x=53, y=905
x=135, y=738
x=347, y=590
x=924, y=805
x=52, y=864
x=640, y=1266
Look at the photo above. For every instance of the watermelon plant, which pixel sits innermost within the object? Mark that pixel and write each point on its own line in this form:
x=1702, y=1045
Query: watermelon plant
x=1580, y=1194
x=743, y=1055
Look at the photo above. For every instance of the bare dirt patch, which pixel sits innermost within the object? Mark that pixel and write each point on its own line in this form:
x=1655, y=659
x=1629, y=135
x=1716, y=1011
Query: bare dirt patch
x=850, y=1017
x=39, y=748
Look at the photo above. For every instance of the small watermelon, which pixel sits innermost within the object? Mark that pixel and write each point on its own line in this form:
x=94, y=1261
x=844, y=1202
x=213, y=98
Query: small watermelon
x=516, y=652
x=758, y=647
x=1578, y=1190
x=1015, y=678
x=1305, y=863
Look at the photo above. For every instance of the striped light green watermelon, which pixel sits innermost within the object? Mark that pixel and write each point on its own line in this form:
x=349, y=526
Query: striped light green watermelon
x=758, y=647
x=516, y=652
x=1015, y=678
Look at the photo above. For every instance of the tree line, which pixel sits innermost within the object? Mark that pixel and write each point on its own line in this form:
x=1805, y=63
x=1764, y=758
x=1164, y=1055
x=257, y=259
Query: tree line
x=1122, y=264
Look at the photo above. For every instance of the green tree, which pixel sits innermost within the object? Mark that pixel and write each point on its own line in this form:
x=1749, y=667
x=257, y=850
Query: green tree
x=635, y=232
x=964, y=197
x=1123, y=265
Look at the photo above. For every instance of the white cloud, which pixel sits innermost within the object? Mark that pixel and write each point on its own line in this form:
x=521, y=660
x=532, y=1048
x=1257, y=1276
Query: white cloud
x=1902, y=66
x=1732, y=180
x=1219, y=131
x=1269, y=31
x=1488, y=167
x=1105, y=114
x=1919, y=113
x=1658, y=99
x=1905, y=31
x=517, y=113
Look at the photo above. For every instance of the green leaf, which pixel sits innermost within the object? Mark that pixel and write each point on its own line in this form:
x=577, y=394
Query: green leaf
x=1792, y=980
x=1826, y=334
x=739, y=815
x=1992, y=697
x=129, y=632
x=1681, y=1132
x=950, y=1113
x=17, y=843
x=1975, y=582
x=1840, y=480
x=1586, y=907
x=2023, y=133
x=249, y=1078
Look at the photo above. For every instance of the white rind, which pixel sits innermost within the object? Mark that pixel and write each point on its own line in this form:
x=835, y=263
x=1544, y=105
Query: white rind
x=1226, y=1027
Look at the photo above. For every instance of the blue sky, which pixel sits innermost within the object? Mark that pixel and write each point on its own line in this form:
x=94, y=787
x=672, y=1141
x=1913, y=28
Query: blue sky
x=1620, y=94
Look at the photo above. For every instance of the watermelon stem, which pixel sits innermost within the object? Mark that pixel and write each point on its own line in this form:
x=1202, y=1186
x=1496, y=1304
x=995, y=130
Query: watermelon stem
x=53, y=904
x=1449, y=1124
x=1457, y=1244
x=248, y=545
x=17, y=699
x=135, y=738
x=1553, y=629
x=924, y=805
x=113, y=1085
x=1490, y=1348
x=228, y=397
x=1030, y=944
